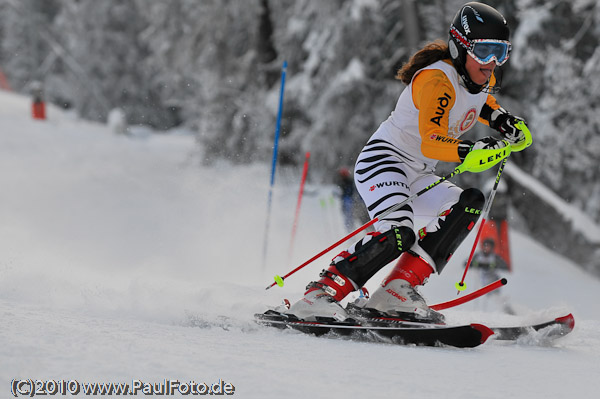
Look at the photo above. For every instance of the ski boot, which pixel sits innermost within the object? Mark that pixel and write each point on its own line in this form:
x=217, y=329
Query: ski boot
x=321, y=300
x=397, y=297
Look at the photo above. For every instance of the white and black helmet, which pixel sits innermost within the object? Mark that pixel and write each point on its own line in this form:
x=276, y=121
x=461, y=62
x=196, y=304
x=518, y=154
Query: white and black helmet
x=482, y=32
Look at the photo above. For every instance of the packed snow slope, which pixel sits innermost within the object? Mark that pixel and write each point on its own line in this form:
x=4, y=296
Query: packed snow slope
x=124, y=258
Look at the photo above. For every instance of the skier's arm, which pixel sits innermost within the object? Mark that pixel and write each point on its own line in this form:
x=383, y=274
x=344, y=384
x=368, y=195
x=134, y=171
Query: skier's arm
x=488, y=108
x=434, y=96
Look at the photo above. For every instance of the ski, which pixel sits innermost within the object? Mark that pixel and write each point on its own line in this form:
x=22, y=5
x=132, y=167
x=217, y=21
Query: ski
x=403, y=332
x=555, y=328
x=422, y=334
x=550, y=329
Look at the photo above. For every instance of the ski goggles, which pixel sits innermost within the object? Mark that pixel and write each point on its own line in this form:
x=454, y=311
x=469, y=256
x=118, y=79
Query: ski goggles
x=486, y=50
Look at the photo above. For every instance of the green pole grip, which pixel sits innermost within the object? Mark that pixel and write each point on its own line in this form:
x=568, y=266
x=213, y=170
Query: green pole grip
x=528, y=139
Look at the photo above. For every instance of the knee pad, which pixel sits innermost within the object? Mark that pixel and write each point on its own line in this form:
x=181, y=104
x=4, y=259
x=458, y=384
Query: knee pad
x=453, y=228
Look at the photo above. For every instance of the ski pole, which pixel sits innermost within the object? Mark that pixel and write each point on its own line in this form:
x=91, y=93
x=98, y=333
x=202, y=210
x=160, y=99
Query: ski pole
x=460, y=169
x=274, y=162
x=461, y=286
x=469, y=297
x=528, y=140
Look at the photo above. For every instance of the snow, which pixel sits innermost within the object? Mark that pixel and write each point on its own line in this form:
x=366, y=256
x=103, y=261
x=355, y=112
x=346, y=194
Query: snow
x=358, y=7
x=535, y=16
x=579, y=220
x=353, y=72
x=124, y=259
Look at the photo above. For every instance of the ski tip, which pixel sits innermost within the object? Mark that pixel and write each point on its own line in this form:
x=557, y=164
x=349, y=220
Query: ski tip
x=485, y=331
x=568, y=321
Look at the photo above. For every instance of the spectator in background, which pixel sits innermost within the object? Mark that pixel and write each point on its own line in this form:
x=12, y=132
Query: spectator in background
x=491, y=266
x=488, y=262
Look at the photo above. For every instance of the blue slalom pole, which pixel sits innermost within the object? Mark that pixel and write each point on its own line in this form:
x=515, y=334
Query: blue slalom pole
x=274, y=163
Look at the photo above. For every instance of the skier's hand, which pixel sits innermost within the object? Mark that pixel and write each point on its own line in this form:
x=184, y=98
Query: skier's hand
x=506, y=124
x=486, y=143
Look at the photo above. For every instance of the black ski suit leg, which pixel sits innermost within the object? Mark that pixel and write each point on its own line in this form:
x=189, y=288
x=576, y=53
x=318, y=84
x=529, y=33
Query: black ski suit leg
x=441, y=242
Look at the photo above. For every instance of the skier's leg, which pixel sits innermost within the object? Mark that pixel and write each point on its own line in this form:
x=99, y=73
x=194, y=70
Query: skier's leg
x=382, y=180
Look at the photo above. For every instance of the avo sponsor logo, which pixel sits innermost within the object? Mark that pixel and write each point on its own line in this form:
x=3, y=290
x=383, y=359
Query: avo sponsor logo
x=388, y=184
x=440, y=111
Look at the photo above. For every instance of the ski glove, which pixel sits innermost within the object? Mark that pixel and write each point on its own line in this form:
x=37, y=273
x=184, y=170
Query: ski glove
x=505, y=123
x=486, y=143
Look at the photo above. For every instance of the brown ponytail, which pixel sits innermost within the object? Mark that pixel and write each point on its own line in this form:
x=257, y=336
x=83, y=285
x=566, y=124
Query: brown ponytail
x=432, y=52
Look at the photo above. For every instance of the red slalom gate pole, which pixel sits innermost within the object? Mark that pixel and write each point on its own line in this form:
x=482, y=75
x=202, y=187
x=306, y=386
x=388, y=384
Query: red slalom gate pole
x=469, y=297
x=300, y=195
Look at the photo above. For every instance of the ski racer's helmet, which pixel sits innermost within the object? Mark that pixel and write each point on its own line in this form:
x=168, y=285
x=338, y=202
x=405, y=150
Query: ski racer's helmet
x=482, y=32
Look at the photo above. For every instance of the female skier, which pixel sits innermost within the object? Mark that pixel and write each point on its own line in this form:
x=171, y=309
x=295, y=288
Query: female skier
x=448, y=90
